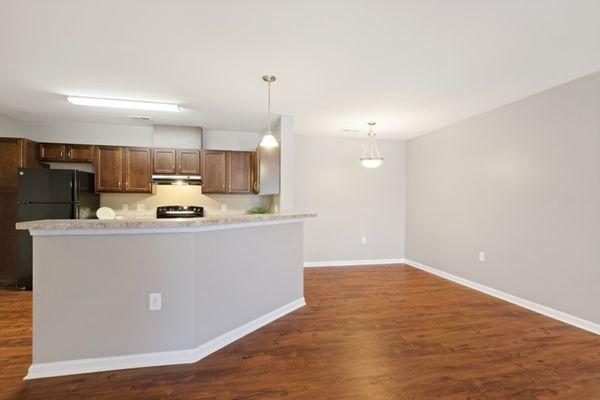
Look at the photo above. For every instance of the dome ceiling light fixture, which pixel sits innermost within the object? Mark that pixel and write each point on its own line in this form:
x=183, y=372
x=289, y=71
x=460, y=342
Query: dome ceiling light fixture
x=268, y=140
x=371, y=157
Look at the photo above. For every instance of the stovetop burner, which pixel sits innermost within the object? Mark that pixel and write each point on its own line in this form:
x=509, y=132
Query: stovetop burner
x=179, y=212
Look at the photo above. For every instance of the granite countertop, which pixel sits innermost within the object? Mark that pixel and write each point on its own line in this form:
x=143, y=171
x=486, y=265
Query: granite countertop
x=154, y=223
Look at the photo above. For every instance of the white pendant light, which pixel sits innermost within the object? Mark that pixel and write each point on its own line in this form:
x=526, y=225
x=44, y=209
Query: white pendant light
x=268, y=140
x=371, y=157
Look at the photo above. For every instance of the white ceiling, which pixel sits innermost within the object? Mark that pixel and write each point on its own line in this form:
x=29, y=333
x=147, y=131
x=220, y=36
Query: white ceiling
x=413, y=66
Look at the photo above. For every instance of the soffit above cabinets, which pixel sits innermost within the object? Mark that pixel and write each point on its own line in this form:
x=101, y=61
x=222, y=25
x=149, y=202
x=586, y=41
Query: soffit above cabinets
x=177, y=137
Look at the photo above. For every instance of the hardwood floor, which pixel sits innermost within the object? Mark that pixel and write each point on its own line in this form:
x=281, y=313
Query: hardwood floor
x=387, y=332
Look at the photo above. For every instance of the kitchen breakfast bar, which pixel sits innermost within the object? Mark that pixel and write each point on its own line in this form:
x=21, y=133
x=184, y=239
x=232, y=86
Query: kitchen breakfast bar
x=116, y=294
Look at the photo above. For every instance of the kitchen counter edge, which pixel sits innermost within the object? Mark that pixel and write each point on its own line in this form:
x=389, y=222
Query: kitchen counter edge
x=167, y=225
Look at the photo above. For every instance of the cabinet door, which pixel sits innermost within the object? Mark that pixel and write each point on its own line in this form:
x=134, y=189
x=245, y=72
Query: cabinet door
x=11, y=158
x=239, y=172
x=8, y=237
x=108, y=164
x=188, y=162
x=213, y=172
x=52, y=152
x=80, y=153
x=138, y=169
x=164, y=161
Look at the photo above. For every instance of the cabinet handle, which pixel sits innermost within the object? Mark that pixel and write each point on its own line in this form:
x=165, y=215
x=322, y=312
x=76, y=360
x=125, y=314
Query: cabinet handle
x=62, y=154
x=256, y=186
x=173, y=166
x=179, y=167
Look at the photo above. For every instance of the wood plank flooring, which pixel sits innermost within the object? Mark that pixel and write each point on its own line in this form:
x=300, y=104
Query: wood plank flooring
x=385, y=332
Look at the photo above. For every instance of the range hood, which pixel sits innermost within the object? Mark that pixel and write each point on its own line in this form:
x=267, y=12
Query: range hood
x=177, y=179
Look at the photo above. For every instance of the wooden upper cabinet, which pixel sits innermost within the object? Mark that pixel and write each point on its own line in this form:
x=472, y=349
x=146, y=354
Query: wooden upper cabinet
x=188, y=162
x=165, y=161
x=240, y=177
x=228, y=171
x=11, y=158
x=213, y=171
x=108, y=169
x=16, y=153
x=137, y=167
x=83, y=153
x=58, y=152
x=123, y=169
x=180, y=162
x=52, y=152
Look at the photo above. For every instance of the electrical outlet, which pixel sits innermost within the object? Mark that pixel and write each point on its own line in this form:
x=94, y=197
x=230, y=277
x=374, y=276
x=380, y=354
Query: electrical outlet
x=141, y=207
x=223, y=207
x=482, y=256
x=155, y=301
x=363, y=240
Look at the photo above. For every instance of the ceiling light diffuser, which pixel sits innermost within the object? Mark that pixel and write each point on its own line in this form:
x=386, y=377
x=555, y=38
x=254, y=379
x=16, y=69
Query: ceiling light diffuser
x=129, y=104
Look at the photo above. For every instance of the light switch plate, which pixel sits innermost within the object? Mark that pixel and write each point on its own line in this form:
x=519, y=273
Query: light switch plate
x=154, y=301
x=482, y=256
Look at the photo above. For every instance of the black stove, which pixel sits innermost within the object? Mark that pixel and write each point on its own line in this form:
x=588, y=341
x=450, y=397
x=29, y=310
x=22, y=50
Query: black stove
x=179, y=212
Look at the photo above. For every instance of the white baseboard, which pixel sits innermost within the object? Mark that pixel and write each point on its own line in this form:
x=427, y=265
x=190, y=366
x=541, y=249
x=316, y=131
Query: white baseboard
x=349, y=263
x=71, y=367
x=530, y=305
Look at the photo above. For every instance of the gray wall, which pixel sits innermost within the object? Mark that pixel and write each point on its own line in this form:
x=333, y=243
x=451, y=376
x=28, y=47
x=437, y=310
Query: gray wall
x=10, y=127
x=351, y=201
x=521, y=183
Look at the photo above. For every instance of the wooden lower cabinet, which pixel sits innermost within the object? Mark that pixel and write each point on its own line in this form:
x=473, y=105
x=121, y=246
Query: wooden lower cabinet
x=123, y=169
x=228, y=172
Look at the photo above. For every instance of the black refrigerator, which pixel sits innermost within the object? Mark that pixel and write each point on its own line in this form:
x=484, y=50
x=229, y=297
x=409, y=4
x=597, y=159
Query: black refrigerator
x=50, y=194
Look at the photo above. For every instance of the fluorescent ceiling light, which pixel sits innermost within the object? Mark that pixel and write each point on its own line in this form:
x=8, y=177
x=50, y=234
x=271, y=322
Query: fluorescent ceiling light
x=130, y=104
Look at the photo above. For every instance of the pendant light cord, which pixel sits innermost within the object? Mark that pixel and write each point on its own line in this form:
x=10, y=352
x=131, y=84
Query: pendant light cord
x=269, y=108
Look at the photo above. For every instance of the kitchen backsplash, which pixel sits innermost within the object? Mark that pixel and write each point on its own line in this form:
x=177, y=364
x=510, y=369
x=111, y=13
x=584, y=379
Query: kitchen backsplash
x=181, y=195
